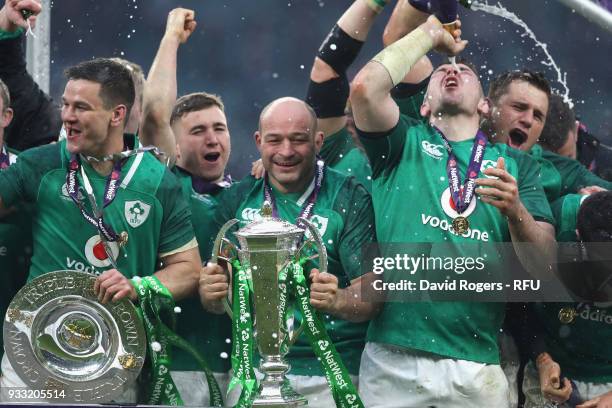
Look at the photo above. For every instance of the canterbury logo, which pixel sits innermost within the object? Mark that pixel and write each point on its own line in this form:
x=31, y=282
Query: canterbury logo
x=433, y=150
x=251, y=214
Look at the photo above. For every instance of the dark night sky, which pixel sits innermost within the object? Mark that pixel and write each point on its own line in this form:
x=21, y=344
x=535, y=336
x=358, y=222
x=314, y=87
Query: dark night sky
x=251, y=52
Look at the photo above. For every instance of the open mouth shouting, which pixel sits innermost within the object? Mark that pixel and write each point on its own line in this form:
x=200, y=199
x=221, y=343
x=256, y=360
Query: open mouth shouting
x=516, y=138
x=451, y=82
x=72, y=133
x=212, y=157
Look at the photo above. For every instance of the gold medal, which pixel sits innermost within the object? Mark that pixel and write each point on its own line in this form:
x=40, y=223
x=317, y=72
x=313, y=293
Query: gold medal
x=461, y=225
x=567, y=315
x=123, y=239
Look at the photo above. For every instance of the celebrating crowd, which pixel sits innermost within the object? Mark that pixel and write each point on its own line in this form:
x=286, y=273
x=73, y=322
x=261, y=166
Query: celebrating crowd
x=128, y=179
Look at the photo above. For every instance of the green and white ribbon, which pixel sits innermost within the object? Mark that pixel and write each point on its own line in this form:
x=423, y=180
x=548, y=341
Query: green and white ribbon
x=291, y=280
x=156, y=303
x=242, y=335
x=339, y=381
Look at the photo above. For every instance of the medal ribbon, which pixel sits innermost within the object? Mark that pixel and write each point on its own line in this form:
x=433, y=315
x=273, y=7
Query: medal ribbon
x=339, y=381
x=110, y=191
x=462, y=197
x=202, y=186
x=4, y=158
x=155, y=301
x=308, y=206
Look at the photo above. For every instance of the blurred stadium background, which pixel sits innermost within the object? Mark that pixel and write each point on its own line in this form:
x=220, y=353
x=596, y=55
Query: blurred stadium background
x=251, y=52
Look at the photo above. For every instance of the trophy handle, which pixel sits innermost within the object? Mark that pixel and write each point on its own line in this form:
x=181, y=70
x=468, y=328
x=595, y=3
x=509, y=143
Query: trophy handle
x=316, y=240
x=220, y=243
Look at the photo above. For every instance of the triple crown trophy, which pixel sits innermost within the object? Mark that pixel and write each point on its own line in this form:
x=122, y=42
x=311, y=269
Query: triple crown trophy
x=68, y=347
x=266, y=247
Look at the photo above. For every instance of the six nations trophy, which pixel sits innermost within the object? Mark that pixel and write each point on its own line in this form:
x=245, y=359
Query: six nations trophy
x=58, y=337
x=266, y=247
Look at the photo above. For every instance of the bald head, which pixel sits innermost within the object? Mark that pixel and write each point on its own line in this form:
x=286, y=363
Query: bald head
x=288, y=142
x=288, y=109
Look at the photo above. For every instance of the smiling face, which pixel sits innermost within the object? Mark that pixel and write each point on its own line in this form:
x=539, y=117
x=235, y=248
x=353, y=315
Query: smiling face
x=288, y=143
x=452, y=92
x=88, y=122
x=518, y=115
x=203, y=140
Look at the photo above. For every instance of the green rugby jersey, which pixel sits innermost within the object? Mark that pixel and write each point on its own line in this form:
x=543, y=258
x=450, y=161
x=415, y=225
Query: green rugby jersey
x=412, y=203
x=15, y=250
x=148, y=206
x=562, y=175
x=581, y=347
x=209, y=333
x=340, y=153
x=344, y=216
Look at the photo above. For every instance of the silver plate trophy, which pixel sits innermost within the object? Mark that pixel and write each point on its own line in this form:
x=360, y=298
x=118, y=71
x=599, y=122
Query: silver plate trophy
x=57, y=336
x=267, y=245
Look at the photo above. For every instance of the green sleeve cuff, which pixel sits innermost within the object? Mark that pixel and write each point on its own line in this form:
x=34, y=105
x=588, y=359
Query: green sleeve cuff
x=8, y=35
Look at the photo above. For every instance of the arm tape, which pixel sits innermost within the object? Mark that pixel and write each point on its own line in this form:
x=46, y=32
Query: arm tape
x=399, y=57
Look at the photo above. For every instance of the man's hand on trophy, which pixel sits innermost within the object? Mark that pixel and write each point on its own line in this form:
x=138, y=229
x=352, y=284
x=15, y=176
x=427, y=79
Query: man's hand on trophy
x=214, y=287
x=324, y=292
x=113, y=286
x=14, y=12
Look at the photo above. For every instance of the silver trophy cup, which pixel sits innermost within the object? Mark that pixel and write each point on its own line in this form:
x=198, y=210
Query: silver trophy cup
x=266, y=246
x=57, y=336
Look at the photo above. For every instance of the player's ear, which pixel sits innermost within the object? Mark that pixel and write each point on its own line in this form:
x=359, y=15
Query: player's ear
x=484, y=107
x=318, y=140
x=6, y=118
x=257, y=137
x=425, y=109
x=119, y=116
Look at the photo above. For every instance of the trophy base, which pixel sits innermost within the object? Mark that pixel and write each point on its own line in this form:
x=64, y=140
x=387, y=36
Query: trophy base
x=276, y=394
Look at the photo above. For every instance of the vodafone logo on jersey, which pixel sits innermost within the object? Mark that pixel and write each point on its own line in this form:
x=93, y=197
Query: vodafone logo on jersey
x=449, y=206
x=96, y=253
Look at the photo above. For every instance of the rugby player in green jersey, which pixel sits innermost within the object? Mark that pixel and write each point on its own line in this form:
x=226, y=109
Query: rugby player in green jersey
x=14, y=229
x=99, y=208
x=193, y=132
x=519, y=108
x=575, y=348
x=341, y=209
x=519, y=104
x=432, y=353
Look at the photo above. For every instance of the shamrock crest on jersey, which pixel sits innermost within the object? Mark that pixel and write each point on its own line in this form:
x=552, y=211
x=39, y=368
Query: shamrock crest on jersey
x=136, y=213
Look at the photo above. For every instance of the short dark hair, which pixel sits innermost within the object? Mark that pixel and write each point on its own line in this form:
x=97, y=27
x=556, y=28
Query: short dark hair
x=559, y=121
x=195, y=102
x=594, y=221
x=499, y=85
x=138, y=76
x=116, y=84
x=5, y=95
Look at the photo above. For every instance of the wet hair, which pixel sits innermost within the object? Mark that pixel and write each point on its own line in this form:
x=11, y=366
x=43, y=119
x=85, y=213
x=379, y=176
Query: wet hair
x=195, y=102
x=137, y=76
x=499, y=85
x=594, y=221
x=5, y=95
x=559, y=121
x=116, y=84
